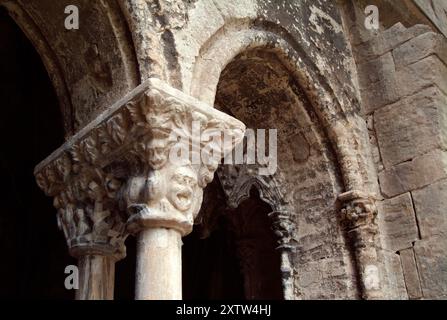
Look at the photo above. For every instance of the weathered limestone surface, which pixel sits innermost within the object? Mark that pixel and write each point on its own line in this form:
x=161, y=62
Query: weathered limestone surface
x=419, y=48
x=436, y=11
x=412, y=126
x=361, y=119
x=431, y=260
x=414, y=174
x=398, y=222
x=403, y=79
x=393, y=279
x=411, y=274
x=430, y=203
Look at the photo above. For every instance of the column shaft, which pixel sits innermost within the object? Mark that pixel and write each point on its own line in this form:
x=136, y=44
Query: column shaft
x=96, y=277
x=159, y=265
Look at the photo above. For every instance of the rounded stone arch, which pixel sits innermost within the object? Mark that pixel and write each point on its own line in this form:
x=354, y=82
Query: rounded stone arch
x=52, y=60
x=90, y=67
x=339, y=115
x=49, y=60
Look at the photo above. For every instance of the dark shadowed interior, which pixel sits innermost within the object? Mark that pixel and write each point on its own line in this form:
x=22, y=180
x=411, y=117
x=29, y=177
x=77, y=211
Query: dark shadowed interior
x=30, y=129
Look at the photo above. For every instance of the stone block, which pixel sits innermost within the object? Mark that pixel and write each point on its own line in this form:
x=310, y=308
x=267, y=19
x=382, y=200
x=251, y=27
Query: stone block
x=411, y=275
x=398, y=222
x=412, y=126
x=387, y=40
x=392, y=277
x=419, y=75
x=430, y=204
x=431, y=259
x=373, y=71
x=414, y=174
x=418, y=48
x=379, y=94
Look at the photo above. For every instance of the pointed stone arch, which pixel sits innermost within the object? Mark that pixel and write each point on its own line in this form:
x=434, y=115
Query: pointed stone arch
x=337, y=113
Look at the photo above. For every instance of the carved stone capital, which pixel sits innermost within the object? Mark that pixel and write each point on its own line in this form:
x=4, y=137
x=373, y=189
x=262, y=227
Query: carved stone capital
x=358, y=210
x=121, y=168
x=166, y=192
x=84, y=198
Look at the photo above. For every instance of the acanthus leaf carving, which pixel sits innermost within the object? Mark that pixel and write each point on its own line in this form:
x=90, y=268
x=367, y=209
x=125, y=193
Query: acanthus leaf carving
x=90, y=199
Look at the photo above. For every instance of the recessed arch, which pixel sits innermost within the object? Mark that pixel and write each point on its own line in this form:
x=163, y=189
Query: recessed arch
x=338, y=113
x=49, y=59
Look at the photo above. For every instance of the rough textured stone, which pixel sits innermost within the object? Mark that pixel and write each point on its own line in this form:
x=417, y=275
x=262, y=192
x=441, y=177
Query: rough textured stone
x=411, y=275
x=373, y=71
x=393, y=278
x=422, y=74
x=398, y=222
x=412, y=126
x=294, y=66
x=431, y=258
x=388, y=39
x=430, y=203
x=414, y=174
x=436, y=11
x=379, y=94
x=418, y=48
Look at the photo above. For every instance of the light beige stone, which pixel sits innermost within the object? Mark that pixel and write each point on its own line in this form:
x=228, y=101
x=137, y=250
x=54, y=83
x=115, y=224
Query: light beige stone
x=414, y=174
x=411, y=274
x=418, y=48
x=431, y=259
x=398, y=222
x=430, y=203
x=419, y=75
x=411, y=127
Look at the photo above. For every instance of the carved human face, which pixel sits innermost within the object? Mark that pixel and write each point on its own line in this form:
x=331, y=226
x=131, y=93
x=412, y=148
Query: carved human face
x=158, y=153
x=182, y=189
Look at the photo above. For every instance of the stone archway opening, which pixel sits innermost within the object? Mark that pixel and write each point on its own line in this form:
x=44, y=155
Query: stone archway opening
x=256, y=88
x=232, y=254
x=31, y=127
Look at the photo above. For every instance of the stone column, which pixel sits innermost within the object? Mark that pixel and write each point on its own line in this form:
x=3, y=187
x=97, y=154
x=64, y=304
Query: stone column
x=359, y=214
x=96, y=277
x=87, y=214
x=284, y=227
x=164, y=195
x=131, y=170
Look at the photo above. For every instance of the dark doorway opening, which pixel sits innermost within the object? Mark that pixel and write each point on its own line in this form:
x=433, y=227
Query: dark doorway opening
x=33, y=249
x=238, y=258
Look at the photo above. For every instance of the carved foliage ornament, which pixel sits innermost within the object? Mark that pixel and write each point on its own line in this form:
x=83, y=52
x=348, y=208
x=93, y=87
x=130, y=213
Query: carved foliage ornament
x=358, y=210
x=139, y=131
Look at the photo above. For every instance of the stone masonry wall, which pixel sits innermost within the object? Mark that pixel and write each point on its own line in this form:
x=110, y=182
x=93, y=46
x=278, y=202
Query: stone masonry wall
x=403, y=82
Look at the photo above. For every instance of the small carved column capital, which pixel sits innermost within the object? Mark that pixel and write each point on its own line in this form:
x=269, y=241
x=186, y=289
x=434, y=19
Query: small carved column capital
x=358, y=210
x=87, y=212
x=359, y=214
